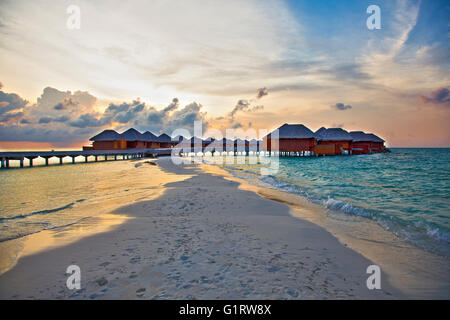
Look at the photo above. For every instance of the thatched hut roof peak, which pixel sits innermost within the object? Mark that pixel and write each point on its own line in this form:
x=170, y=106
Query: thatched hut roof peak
x=164, y=138
x=294, y=131
x=106, y=135
x=333, y=134
x=132, y=135
x=149, y=136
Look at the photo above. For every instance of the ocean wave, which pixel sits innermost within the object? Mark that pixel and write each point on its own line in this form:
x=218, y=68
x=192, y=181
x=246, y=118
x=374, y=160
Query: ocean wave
x=50, y=227
x=41, y=212
x=345, y=207
x=426, y=236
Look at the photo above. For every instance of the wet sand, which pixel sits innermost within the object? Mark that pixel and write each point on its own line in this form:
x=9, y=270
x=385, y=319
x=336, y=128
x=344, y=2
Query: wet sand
x=202, y=237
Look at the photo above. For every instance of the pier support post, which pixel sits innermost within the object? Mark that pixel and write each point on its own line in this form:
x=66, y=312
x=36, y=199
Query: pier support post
x=96, y=158
x=7, y=162
x=30, y=159
x=21, y=162
x=73, y=159
x=60, y=160
x=46, y=161
x=3, y=162
x=86, y=158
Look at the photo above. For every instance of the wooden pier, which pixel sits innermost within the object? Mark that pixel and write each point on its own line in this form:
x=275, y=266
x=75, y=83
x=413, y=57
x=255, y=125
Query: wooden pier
x=21, y=156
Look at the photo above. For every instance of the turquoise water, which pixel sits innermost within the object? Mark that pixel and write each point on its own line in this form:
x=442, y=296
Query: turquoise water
x=407, y=191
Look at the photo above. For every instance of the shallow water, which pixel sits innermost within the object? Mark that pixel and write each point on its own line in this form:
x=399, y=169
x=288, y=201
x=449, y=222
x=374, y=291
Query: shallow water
x=406, y=192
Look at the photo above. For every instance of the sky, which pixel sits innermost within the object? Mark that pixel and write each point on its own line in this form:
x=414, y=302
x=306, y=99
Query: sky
x=161, y=65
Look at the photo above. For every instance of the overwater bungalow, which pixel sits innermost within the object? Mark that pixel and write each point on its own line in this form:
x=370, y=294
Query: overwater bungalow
x=364, y=143
x=151, y=140
x=107, y=140
x=165, y=141
x=291, y=138
x=377, y=144
x=361, y=142
x=134, y=139
x=332, y=141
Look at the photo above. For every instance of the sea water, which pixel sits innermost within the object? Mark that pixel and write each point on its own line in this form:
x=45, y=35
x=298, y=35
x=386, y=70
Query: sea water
x=43, y=198
x=406, y=191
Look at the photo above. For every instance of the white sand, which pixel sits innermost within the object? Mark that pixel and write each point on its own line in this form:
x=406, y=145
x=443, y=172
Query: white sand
x=203, y=238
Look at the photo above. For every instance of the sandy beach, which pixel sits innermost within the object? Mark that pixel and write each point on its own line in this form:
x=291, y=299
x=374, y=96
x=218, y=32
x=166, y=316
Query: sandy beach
x=200, y=236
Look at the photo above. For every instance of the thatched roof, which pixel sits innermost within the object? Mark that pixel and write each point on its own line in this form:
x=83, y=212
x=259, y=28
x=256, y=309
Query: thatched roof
x=164, y=138
x=106, y=135
x=359, y=136
x=375, y=138
x=150, y=137
x=132, y=135
x=333, y=134
x=293, y=131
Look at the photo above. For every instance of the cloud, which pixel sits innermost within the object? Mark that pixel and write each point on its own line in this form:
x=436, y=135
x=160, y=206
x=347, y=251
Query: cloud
x=11, y=102
x=48, y=120
x=89, y=120
x=341, y=106
x=60, y=116
x=346, y=72
x=439, y=97
x=124, y=112
x=241, y=105
x=66, y=103
x=185, y=117
x=261, y=92
x=244, y=105
x=45, y=120
x=8, y=117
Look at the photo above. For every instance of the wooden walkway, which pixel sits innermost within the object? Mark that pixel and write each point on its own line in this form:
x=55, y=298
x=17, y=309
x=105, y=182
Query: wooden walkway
x=6, y=157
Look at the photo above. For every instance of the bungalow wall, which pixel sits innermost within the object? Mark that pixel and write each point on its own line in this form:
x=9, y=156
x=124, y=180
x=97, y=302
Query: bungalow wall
x=289, y=145
x=324, y=149
x=152, y=144
x=367, y=147
x=136, y=144
x=360, y=147
x=109, y=145
x=339, y=146
x=377, y=147
x=165, y=144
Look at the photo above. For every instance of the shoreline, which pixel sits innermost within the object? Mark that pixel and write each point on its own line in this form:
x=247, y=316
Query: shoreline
x=416, y=272
x=204, y=237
